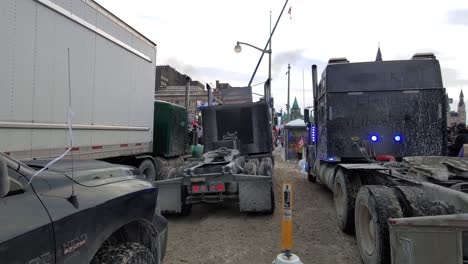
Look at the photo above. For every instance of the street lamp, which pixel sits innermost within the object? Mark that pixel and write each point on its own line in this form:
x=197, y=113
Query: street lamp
x=267, y=87
x=267, y=49
x=238, y=49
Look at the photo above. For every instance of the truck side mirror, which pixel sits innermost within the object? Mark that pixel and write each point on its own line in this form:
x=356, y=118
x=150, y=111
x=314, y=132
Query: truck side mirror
x=4, y=178
x=306, y=116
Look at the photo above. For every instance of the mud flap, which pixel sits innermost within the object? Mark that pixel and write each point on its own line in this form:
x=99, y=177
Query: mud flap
x=255, y=196
x=169, y=196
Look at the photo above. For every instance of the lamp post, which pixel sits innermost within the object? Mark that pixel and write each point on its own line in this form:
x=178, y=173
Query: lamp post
x=238, y=49
x=267, y=49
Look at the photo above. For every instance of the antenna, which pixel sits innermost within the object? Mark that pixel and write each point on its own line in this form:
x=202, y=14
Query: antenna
x=72, y=199
x=69, y=109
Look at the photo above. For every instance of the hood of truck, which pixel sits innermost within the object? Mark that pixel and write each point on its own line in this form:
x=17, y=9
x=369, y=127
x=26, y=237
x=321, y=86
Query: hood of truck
x=88, y=172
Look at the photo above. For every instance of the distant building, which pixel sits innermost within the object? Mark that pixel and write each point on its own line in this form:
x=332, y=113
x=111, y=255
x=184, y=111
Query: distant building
x=168, y=76
x=170, y=87
x=233, y=95
x=176, y=95
x=460, y=115
x=236, y=95
x=296, y=111
x=220, y=85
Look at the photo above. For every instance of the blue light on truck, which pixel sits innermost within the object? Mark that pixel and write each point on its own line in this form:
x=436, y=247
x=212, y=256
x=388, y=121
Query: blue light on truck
x=374, y=138
x=331, y=159
x=313, y=134
x=397, y=138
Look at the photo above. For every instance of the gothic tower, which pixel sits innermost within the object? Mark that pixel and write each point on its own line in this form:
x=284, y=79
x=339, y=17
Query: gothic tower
x=296, y=111
x=461, y=109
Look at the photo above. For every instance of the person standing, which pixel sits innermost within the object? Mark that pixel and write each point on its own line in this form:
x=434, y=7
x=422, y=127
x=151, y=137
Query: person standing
x=460, y=140
x=300, y=147
x=200, y=135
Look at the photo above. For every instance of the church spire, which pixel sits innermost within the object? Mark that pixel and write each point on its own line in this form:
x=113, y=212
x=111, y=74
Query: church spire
x=295, y=104
x=379, y=54
x=462, y=101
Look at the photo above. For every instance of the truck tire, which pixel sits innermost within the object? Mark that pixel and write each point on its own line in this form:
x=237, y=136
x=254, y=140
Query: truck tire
x=344, y=196
x=167, y=173
x=415, y=202
x=148, y=170
x=159, y=165
x=250, y=168
x=310, y=176
x=375, y=205
x=273, y=206
x=265, y=167
x=125, y=253
x=186, y=208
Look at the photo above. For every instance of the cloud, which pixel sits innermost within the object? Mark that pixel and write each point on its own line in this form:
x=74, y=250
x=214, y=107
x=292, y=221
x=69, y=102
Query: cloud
x=451, y=78
x=294, y=57
x=210, y=74
x=205, y=74
x=151, y=18
x=181, y=66
x=458, y=17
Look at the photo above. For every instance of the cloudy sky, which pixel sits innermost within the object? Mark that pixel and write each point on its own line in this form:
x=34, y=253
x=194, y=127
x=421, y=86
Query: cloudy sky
x=198, y=37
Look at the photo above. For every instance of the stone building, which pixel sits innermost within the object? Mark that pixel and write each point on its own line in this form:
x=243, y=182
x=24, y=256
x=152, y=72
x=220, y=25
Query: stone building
x=460, y=115
x=220, y=85
x=170, y=87
x=168, y=76
x=176, y=95
x=296, y=111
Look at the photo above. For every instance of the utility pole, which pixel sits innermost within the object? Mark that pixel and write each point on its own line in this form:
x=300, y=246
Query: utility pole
x=268, y=94
x=303, y=90
x=289, y=81
x=187, y=96
x=268, y=43
x=271, y=107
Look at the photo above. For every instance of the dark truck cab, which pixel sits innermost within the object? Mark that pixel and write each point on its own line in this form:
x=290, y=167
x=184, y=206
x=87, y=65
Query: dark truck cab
x=382, y=104
x=378, y=143
x=237, y=164
x=78, y=212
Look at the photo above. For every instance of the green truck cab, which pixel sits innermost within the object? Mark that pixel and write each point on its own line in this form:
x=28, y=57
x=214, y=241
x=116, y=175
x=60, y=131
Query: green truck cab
x=170, y=129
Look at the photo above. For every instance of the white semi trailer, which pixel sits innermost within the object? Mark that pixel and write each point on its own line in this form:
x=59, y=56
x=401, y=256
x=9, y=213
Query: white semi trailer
x=52, y=47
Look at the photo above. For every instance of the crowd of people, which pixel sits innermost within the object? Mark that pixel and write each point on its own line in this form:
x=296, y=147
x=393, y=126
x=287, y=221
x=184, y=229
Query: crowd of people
x=196, y=134
x=457, y=137
x=277, y=137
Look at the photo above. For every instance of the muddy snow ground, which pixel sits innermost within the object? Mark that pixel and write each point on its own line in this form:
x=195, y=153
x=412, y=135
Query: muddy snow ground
x=220, y=234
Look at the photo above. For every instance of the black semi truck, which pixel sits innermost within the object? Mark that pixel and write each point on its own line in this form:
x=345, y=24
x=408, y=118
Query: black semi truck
x=378, y=141
x=237, y=163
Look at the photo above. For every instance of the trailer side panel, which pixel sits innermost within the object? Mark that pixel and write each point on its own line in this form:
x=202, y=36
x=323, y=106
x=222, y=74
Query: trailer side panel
x=112, y=76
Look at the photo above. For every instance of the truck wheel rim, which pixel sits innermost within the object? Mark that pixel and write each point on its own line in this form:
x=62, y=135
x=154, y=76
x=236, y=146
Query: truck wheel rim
x=338, y=197
x=366, y=230
x=146, y=172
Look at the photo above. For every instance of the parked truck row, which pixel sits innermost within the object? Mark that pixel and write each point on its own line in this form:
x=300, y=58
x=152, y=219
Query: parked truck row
x=378, y=142
x=74, y=77
x=79, y=56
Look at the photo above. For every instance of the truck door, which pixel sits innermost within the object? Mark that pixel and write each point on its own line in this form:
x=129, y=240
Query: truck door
x=25, y=227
